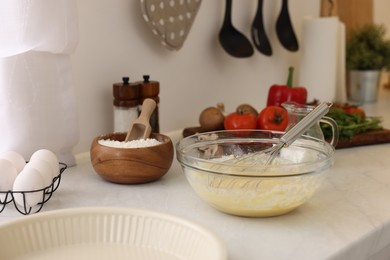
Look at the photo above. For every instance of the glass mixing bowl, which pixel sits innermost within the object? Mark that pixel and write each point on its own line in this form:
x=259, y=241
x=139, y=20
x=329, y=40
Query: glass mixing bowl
x=228, y=170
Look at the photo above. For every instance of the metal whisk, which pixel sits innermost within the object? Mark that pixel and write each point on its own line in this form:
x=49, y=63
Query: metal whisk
x=293, y=134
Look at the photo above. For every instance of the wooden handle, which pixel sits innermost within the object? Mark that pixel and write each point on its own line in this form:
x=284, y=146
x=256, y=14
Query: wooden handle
x=329, y=8
x=148, y=107
x=141, y=128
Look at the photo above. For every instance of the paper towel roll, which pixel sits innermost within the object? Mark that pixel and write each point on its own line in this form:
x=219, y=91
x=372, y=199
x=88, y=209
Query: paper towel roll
x=38, y=105
x=39, y=25
x=318, y=63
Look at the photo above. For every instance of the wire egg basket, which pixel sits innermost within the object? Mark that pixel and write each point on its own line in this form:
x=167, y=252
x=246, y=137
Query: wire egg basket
x=8, y=197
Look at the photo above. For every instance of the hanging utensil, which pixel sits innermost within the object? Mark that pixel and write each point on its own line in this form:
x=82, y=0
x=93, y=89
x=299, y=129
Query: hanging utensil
x=234, y=42
x=259, y=36
x=285, y=30
x=140, y=128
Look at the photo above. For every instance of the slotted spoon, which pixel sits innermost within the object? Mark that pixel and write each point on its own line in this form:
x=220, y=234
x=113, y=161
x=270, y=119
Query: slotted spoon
x=259, y=36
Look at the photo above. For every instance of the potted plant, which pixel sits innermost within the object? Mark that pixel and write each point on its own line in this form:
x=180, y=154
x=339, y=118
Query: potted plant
x=367, y=53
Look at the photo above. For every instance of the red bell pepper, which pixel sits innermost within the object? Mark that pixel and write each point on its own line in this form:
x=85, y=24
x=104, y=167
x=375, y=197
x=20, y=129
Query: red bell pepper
x=281, y=93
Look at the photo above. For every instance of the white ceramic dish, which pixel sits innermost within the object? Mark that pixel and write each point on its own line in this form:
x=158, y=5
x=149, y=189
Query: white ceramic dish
x=107, y=233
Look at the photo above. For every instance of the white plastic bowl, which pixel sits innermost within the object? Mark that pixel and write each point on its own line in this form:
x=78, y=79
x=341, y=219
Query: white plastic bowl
x=107, y=233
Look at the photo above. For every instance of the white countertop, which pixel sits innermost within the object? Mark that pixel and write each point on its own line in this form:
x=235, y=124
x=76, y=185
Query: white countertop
x=349, y=217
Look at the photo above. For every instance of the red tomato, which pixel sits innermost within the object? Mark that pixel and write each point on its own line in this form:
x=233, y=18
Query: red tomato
x=355, y=110
x=240, y=121
x=273, y=118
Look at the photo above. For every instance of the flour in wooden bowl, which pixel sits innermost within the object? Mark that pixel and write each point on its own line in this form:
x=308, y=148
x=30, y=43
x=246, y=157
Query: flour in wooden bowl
x=131, y=144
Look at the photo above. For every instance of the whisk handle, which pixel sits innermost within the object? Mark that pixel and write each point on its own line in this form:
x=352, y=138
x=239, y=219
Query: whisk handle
x=308, y=121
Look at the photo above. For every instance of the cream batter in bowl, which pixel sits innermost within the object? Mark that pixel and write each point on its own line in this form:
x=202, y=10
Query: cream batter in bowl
x=227, y=170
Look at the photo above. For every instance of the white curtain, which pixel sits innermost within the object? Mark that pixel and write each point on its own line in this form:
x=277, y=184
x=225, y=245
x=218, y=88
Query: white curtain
x=37, y=102
x=39, y=25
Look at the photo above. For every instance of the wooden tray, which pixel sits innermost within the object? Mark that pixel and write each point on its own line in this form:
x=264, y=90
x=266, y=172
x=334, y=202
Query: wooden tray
x=367, y=138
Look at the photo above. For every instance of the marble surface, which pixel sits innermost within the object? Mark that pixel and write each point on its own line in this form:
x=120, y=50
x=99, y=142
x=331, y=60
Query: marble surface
x=349, y=217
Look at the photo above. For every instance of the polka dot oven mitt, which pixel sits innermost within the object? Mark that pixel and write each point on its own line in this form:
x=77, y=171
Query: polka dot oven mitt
x=170, y=20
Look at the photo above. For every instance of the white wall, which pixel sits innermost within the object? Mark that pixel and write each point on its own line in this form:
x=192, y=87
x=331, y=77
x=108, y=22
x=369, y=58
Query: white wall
x=115, y=42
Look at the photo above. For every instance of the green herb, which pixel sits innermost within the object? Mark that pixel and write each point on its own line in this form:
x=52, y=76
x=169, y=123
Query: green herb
x=350, y=124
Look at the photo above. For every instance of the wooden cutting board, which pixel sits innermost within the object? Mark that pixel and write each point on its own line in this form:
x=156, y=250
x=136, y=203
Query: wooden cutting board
x=367, y=138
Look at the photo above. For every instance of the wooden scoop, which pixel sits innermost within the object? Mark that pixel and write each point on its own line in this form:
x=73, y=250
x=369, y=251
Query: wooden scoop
x=140, y=128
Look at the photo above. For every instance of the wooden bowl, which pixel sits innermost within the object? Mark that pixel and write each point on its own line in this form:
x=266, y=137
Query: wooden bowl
x=131, y=165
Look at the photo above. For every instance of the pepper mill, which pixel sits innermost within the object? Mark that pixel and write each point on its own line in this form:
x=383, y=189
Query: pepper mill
x=125, y=104
x=150, y=89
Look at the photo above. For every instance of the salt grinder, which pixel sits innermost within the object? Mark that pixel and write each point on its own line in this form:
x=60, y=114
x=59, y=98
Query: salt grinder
x=150, y=89
x=126, y=103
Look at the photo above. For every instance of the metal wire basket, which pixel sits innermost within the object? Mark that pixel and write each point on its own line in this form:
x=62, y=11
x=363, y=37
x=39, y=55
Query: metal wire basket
x=8, y=197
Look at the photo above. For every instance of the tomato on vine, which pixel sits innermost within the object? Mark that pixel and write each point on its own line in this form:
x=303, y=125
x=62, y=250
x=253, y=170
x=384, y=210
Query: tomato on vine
x=353, y=110
x=273, y=118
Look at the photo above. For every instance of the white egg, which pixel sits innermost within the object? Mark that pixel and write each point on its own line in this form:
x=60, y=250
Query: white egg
x=43, y=167
x=8, y=174
x=29, y=179
x=15, y=158
x=48, y=156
